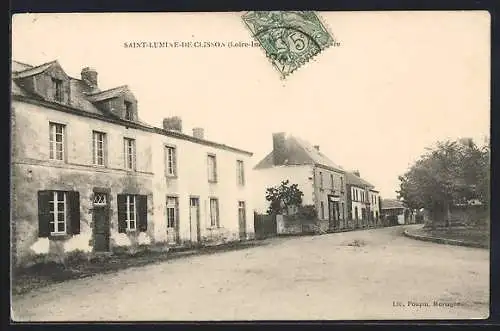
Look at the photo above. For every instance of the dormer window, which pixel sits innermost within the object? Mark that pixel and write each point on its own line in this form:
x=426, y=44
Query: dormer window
x=128, y=111
x=57, y=88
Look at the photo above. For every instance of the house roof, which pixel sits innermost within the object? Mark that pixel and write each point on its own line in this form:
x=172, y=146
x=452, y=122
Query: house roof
x=33, y=70
x=107, y=94
x=353, y=179
x=300, y=152
x=392, y=204
x=19, y=66
x=81, y=103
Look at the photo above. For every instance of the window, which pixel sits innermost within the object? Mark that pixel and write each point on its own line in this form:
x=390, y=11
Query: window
x=57, y=143
x=58, y=213
x=128, y=111
x=356, y=216
x=129, y=152
x=99, y=147
x=322, y=210
x=172, y=212
x=57, y=88
x=241, y=172
x=343, y=210
x=341, y=184
x=332, y=182
x=320, y=180
x=132, y=213
x=214, y=213
x=171, y=161
x=241, y=209
x=212, y=168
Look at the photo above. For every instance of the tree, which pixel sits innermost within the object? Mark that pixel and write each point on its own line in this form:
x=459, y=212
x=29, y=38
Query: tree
x=452, y=172
x=282, y=197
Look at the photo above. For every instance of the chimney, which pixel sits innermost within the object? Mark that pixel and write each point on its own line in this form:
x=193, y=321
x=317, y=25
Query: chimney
x=316, y=147
x=172, y=123
x=198, y=133
x=279, y=148
x=89, y=76
x=356, y=172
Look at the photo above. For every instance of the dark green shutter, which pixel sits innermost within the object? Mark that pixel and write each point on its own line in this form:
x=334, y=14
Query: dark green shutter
x=142, y=212
x=74, y=213
x=122, y=213
x=43, y=213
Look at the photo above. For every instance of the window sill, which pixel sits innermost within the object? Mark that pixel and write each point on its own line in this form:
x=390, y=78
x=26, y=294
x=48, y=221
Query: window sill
x=171, y=176
x=214, y=228
x=212, y=181
x=57, y=237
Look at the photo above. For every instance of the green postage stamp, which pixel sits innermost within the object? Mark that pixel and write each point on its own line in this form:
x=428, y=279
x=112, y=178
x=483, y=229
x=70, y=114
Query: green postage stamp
x=290, y=38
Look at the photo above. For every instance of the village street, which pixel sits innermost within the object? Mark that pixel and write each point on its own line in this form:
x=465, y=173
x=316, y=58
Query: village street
x=313, y=277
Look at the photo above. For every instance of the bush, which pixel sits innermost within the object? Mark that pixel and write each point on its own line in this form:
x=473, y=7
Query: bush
x=76, y=257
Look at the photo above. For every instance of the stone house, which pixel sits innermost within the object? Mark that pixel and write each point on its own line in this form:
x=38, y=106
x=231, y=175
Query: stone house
x=320, y=179
x=87, y=174
x=363, y=201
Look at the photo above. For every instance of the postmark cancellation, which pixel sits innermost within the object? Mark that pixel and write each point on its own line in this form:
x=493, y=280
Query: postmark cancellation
x=289, y=38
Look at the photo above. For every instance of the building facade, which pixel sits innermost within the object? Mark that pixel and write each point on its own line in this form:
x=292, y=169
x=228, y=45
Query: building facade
x=363, y=201
x=201, y=189
x=321, y=180
x=88, y=175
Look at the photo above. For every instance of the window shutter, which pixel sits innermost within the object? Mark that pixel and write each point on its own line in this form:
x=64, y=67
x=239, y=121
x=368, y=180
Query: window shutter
x=142, y=212
x=43, y=213
x=165, y=152
x=74, y=213
x=217, y=220
x=134, y=155
x=122, y=213
x=174, y=160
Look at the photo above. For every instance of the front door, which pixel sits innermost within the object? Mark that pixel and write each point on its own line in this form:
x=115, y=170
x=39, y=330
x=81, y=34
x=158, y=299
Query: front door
x=100, y=219
x=333, y=212
x=172, y=220
x=242, y=219
x=194, y=219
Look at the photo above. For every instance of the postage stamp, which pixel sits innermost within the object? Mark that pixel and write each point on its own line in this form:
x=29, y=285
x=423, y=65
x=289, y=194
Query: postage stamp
x=290, y=38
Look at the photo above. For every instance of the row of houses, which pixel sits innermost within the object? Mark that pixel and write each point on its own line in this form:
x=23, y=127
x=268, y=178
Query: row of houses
x=341, y=198
x=87, y=174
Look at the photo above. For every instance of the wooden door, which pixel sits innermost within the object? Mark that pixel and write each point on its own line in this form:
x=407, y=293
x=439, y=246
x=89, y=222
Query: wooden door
x=100, y=218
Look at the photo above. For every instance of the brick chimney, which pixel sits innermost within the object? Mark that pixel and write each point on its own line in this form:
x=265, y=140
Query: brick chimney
x=172, y=123
x=89, y=76
x=316, y=147
x=199, y=133
x=356, y=172
x=279, y=148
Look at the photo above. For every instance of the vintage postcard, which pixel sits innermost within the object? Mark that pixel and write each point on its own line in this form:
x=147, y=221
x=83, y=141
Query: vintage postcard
x=283, y=165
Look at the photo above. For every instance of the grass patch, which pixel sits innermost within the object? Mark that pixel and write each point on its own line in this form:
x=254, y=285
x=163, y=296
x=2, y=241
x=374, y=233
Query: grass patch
x=466, y=234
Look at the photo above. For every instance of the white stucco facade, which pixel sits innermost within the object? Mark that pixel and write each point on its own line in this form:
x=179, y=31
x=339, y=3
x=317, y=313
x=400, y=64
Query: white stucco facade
x=302, y=175
x=191, y=181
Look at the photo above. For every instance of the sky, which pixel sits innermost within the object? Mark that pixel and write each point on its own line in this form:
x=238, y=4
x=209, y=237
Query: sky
x=398, y=83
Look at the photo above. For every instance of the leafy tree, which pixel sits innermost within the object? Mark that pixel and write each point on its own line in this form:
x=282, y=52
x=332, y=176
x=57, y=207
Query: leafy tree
x=451, y=172
x=282, y=197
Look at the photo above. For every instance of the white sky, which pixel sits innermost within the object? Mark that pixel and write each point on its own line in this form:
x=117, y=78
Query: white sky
x=399, y=82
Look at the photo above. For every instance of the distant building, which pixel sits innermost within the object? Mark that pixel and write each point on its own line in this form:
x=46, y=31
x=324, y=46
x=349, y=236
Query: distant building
x=363, y=201
x=320, y=179
x=395, y=212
